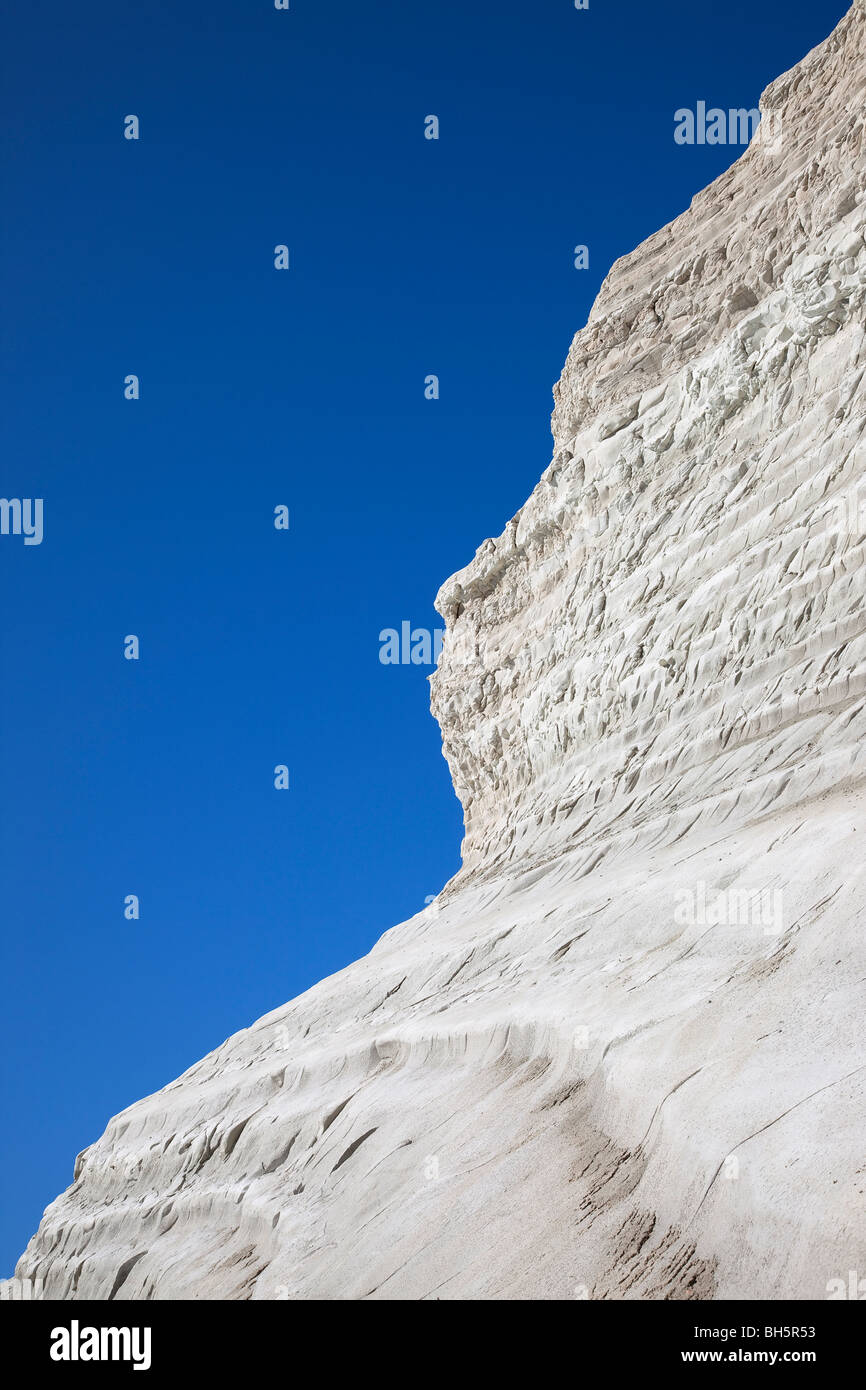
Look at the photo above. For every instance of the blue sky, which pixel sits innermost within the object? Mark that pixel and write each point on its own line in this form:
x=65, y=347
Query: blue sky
x=261, y=387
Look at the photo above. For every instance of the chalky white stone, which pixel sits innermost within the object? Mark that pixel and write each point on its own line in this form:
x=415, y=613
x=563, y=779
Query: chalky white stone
x=621, y=1056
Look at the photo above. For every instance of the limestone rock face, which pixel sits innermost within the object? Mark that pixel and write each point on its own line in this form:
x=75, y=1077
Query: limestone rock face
x=621, y=1055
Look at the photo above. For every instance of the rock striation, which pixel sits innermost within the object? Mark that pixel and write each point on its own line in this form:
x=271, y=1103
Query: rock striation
x=621, y=1055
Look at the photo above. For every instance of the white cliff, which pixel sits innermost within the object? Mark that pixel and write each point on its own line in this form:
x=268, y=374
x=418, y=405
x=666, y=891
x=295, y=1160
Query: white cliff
x=621, y=1055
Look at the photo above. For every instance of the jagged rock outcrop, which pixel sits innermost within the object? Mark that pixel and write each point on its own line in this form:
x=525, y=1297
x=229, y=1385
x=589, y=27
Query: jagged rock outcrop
x=621, y=1055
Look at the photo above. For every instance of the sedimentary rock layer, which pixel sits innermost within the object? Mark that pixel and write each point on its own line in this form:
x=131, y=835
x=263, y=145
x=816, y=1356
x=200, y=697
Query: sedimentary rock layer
x=620, y=1056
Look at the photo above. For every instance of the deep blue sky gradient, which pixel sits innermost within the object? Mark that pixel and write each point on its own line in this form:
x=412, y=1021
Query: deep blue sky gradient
x=305, y=388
